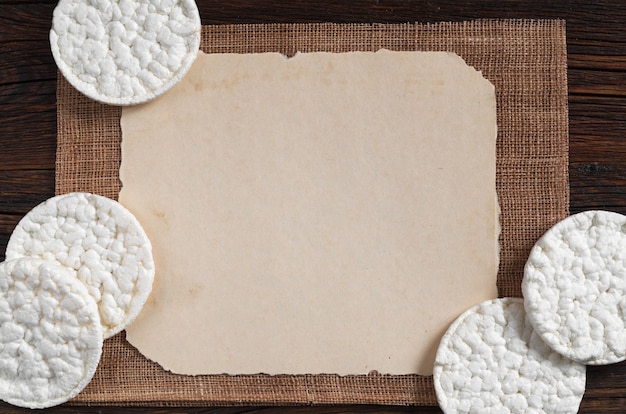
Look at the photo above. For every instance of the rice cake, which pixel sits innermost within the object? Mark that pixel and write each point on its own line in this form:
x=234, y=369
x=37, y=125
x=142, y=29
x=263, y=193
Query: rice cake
x=103, y=244
x=491, y=360
x=50, y=334
x=574, y=287
x=124, y=52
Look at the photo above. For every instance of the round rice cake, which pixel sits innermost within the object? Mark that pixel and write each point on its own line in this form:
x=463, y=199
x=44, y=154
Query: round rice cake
x=124, y=52
x=574, y=287
x=491, y=360
x=101, y=241
x=50, y=334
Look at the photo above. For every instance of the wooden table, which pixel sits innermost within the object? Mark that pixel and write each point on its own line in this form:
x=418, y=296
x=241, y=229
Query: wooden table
x=596, y=38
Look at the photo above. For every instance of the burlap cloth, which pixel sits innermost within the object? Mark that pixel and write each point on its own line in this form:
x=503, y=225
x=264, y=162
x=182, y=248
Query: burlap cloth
x=525, y=60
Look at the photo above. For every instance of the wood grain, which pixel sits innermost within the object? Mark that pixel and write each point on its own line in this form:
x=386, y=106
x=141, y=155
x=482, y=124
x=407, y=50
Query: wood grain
x=597, y=103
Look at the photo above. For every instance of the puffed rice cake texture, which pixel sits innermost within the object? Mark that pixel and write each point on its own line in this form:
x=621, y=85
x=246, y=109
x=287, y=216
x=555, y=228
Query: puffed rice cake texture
x=574, y=287
x=50, y=334
x=491, y=360
x=124, y=52
x=101, y=242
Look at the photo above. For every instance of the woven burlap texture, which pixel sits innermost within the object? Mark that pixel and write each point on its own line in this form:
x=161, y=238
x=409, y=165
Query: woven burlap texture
x=525, y=60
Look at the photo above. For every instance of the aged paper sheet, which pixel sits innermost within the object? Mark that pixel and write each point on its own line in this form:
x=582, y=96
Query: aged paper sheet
x=325, y=213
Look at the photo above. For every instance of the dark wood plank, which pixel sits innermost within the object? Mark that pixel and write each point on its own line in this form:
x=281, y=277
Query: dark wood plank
x=27, y=87
x=606, y=377
x=598, y=82
x=407, y=11
x=26, y=61
x=27, y=102
x=25, y=20
x=22, y=190
x=32, y=141
x=7, y=224
x=603, y=406
x=597, y=125
x=596, y=62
